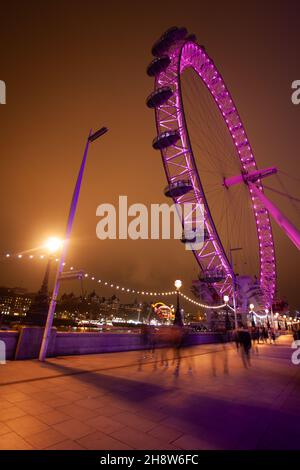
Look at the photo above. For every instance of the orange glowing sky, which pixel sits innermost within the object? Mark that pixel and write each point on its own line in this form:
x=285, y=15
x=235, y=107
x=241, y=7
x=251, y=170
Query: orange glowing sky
x=74, y=65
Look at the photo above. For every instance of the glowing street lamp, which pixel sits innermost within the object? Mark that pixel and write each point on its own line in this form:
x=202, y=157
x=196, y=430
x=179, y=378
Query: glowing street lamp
x=251, y=306
x=267, y=313
x=227, y=320
x=178, y=317
x=37, y=314
x=53, y=244
x=226, y=300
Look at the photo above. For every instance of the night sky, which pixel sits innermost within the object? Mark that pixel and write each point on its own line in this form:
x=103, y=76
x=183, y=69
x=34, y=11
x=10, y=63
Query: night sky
x=74, y=65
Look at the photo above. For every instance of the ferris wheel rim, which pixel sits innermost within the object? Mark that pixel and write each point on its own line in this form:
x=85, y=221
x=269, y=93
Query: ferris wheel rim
x=179, y=58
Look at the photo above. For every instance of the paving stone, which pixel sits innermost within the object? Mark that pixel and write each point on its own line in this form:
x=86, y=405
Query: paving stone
x=16, y=397
x=108, y=411
x=4, y=404
x=45, y=439
x=53, y=417
x=12, y=441
x=100, y=441
x=69, y=395
x=73, y=428
x=135, y=421
x=26, y=425
x=34, y=407
x=140, y=440
x=78, y=412
x=4, y=429
x=66, y=445
x=11, y=413
x=105, y=424
x=90, y=403
x=166, y=433
x=189, y=442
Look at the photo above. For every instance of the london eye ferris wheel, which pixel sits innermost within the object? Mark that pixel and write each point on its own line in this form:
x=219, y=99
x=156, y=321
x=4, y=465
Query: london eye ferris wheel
x=208, y=159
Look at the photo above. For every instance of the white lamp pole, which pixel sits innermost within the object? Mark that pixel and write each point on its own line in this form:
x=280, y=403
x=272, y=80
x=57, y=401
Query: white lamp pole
x=178, y=317
x=52, y=305
x=251, y=306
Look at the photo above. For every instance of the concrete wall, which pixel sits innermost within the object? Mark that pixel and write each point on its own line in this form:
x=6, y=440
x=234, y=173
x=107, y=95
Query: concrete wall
x=30, y=340
x=26, y=343
x=91, y=343
x=10, y=339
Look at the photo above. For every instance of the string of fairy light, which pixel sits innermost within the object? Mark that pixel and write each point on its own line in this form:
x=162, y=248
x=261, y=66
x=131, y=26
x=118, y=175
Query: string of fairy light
x=113, y=285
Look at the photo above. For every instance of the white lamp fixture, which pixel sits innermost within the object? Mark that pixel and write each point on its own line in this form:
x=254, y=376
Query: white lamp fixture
x=53, y=244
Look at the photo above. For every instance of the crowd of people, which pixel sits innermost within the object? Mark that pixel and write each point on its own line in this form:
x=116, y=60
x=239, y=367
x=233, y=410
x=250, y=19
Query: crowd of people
x=167, y=339
x=162, y=345
x=247, y=338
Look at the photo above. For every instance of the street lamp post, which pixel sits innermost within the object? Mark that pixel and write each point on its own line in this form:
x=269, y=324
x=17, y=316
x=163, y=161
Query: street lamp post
x=267, y=313
x=178, y=317
x=234, y=285
x=226, y=300
x=73, y=206
x=251, y=306
x=37, y=313
x=227, y=319
x=276, y=321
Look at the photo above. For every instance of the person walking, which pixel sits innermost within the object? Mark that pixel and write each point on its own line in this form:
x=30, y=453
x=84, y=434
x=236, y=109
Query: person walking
x=246, y=344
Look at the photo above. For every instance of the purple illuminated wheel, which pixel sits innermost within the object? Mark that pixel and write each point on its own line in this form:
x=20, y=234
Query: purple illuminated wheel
x=197, y=121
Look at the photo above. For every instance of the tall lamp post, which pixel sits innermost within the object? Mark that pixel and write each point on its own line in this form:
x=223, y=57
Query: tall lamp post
x=72, y=211
x=226, y=300
x=267, y=313
x=234, y=284
x=276, y=321
x=227, y=319
x=37, y=313
x=251, y=306
x=53, y=246
x=178, y=317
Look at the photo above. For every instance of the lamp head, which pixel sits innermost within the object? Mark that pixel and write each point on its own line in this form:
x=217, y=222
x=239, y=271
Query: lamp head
x=53, y=244
x=178, y=284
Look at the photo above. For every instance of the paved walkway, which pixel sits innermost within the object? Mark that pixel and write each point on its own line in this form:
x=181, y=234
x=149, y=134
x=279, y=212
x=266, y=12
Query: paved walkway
x=115, y=401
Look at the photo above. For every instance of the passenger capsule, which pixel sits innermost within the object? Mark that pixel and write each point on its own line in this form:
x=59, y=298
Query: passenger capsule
x=158, y=65
x=178, y=188
x=159, y=97
x=166, y=139
x=167, y=39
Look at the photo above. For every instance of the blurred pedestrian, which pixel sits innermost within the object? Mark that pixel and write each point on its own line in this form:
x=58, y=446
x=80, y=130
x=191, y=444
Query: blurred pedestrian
x=245, y=343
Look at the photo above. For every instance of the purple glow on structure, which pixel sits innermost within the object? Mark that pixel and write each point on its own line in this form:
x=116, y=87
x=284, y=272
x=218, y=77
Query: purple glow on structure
x=179, y=160
x=291, y=231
